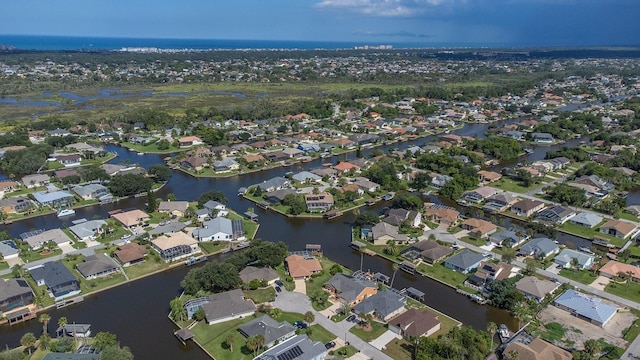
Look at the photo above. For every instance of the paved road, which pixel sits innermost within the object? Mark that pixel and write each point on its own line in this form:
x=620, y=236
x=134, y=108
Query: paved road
x=300, y=303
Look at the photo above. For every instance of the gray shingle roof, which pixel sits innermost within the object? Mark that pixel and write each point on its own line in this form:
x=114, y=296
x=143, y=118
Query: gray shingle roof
x=226, y=304
x=465, y=259
x=349, y=286
x=299, y=347
x=384, y=303
x=95, y=264
x=270, y=329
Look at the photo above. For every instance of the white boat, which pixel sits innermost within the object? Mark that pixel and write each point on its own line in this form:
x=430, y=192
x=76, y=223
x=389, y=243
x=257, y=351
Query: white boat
x=65, y=212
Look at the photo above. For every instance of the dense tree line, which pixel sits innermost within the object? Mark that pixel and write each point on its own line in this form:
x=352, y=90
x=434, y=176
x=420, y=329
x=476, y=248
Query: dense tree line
x=572, y=153
x=26, y=161
x=504, y=294
x=498, y=147
x=385, y=174
x=459, y=343
x=607, y=173
x=129, y=184
x=566, y=194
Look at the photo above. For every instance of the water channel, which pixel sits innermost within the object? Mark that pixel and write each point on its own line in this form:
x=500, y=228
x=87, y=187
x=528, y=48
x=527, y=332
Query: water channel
x=137, y=312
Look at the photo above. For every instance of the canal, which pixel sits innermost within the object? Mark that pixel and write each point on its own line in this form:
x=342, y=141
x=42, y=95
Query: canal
x=136, y=312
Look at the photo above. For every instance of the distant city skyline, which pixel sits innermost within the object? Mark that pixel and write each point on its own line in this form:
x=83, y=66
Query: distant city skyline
x=465, y=22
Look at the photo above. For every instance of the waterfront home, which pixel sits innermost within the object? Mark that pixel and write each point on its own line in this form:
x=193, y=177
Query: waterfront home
x=300, y=267
x=343, y=143
x=297, y=347
x=464, y=261
x=59, y=281
x=438, y=181
x=536, y=349
x=555, y=214
x=54, y=199
x=441, y=215
x=224, y=165
x=265, y=274
x=202, y=215
x=586, y=307
x=223, y=306
x=276, y=156
x=173, y=208
x=398, y=217
x=414, y=323
x=96, y=266
x=14, y=294
x=586, y=219
x=614, y=269
x=567, y=257
x=37, y=239
x=293, y=153
x=366, y=185
x=539, y=248
x=348, y=289
x=9, y=250
x=168, y=228
x=508, y=237
x=15, y=204
x=213, y=205
x=595, y=181
x=479, y=194
x=535, y=289
x=273, y=184
x=428, y=250
x=383, y=305
x=488, y=272
x=74, y=330
x=383, y=232
x=364, y=139
x=175, y=246
x=87, y=230
x=499, y=202
x=58, y=132
x=544, y=138
x=90, y=191
x=189, y=141
x=488, y=176
x=479, y=228
x=306, y=177
x=218, y=228
x=272, y=331
x=131, y=218
x=527, y=207
x=345, y=166
x=277, y=196
x=61, y=174
x=320, y=202
x=130, y=254
x=69, y=160
x=196, y=163
x=618, y=228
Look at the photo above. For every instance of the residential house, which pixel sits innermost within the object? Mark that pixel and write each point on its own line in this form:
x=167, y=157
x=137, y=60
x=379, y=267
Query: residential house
x=320, y=202
x=567, y=257
x=293, y=153
x=479, y=228
x=586, y=219
x=69, y=160
x=14, y=293
x=175, y=246
x=438, y=181
x=442, y=215
x=9, y=250
x=131, y=218
x=383, y=232
x=539, y=248
x=173, y=208
x=215, y=207
x=343, y=143
x=349, y=289
x=488, y=272
x=54, y=199
x=226, y=164
x=272, y=332
x=464, y=261
x=274, y=184
x=618, y=228
x=555, y=214
x=345, y=166
x=276, y=197
x=399, y=216
x=196, y=163
x=276, y=156
x=383, y=305
x=527, y=207
x=366, y=185
x=58, y=132
x=87, y=230
x=35, y=180
x=595, y=181
x=15, y=204
x=74, y=330
x=57, y=278
x=37, y=239
x=190, y=141
x=300, y=267
x=586, y=307
x=545, y=138
x=415, y=323
x=489, y=176
x=536, y=349
x=536, y=289
x=614, y=269
x=61, y=174
x=130, y=254
x=266, y=274
x=167, y=228
x=96, y=266
x=8, y=186
x=508, y=237
x=220, y=229
x=429, y=250
x=306, y=177
x=297, y=347
x=479, y=194
x=221, y=307
x=499, y=202
x=202, y=215
x=91, y=191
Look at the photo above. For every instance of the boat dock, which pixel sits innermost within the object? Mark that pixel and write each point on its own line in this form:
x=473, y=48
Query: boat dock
x=195, y=260
x=64, y=303
x=474, y=297
x=331, y=214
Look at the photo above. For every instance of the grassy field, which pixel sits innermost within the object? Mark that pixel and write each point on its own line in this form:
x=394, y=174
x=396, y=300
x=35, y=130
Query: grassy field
x=399, y=349
x=260, y=296
x=553, y=332
x=589, y=233
x=583, y=276
x=367, y=334
x=514, y=186
x=146, y=267
x=210, y=247
x=443, y=274
x=630, y=217
x=629, y=291
x=87, y=286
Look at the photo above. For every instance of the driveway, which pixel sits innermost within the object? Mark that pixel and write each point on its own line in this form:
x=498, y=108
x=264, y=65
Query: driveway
x=14, y=261
x=301, y=286
x=600, y=283
x=66, y=248
x=460, y=234
x=381, y=341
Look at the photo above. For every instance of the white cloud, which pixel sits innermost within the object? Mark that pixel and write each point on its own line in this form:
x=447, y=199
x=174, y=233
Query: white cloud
x=388, y=8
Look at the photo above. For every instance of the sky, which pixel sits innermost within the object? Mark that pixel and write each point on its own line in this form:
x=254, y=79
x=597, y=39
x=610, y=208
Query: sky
x=428, y=22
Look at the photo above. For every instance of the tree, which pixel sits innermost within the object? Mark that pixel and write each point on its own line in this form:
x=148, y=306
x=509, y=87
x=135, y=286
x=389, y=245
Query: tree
x=178, y=312
x=229, y=341
x=492, y=328
x=296, y=203
x=407, y=201
x=161, y=173
x=309, y=317
x=531, y=267
x=151, y=201
x=593, y=347
x=43, y=342
x=163, y=144
x=28, y=340
x=275, y=312
x=509, y=255
x=129, y=184
x=104, y=340
x=319, y=297
x=115, y=352
x=254, y=343
x=513, y=355
x=211, y=195
x=44, y=319
x=367, y=218
x=391, y=248
x=395, y=268
x=62, y=322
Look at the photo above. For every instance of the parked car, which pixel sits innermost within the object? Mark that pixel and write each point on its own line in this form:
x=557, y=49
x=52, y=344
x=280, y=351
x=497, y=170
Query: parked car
x=300, y=324
x=330, y=345
x=279, y=283
x=351, y=318
x=278, y=289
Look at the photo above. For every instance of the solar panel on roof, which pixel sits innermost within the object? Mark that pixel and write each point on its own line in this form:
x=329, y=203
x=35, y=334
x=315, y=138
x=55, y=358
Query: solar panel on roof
x=291, y=354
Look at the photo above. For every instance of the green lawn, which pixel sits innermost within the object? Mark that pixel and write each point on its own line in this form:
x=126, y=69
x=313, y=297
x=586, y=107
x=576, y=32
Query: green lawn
x=259, y=296
x=629, y=291
x=474, y=241
x=316, y=283
x=632, y=332
x=146, y=267
x=210, y=247
x=3, y=265
x=553, y=332
x=582, y=231
x=583, y=276
x=87, y=286
x=399, y=349
x=318, y=333
x=345, y=351
x=514, y=186
x=212, y=338
x=368, y=334
x=443, y=274
x=250, y=227
x=288, y=285
x=630, y=217
x=40, y=292
x=38, y=255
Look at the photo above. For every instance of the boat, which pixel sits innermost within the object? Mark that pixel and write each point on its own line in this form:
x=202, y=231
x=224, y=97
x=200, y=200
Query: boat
x=504, y=332
x=65, y=212
x=462, y=202
x=140, y=153
x=387, y=197
x=194, y=260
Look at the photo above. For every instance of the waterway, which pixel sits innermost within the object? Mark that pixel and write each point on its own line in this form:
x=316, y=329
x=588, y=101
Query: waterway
x=136, y=312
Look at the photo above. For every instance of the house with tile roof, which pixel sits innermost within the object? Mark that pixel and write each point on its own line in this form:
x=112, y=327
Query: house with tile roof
x=130, y=253
x=225, y=306
x=618, y=228
x=266, y=274
x=479, y=194
x=586, y=307
x=429, y=250
x=527, y=207
x=383, y=232
x=131, y=218
x=175, y=246
x=614, y=268
x=479, y=228
x=300, y=267
x=537, y=349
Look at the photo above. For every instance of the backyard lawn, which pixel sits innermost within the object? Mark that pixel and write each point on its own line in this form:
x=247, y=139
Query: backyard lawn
x=260, y=296
x=399, y=349
x=146, y=267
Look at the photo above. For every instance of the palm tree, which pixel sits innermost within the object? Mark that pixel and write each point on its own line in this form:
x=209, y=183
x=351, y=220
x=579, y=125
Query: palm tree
x=392, y=248
x=44, y=319
x=492, y=328
x=309, y=317
x=395, y=268
x=62, y=322
x=28, y=340
x=275, y=313
x=229, y=341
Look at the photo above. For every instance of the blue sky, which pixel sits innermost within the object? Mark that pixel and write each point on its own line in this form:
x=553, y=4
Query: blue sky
x=456, y=22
